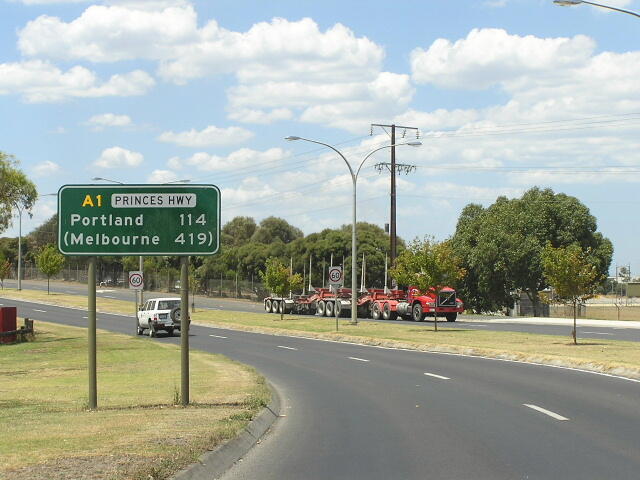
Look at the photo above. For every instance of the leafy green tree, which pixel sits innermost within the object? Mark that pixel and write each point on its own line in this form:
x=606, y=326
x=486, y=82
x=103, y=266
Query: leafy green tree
x=501, y=246
x=50, y=262
x=5, y=269
x=279, y=279
x=572, y=274
x=428, y=264
x=16, y=190
x=273, y=228
x=238, y=231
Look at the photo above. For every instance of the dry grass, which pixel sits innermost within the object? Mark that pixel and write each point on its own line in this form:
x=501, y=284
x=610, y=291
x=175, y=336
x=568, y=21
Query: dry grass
x=137, y=431
x=607, y=355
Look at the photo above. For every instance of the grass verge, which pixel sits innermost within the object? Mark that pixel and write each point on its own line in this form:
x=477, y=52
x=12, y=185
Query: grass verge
x=607, y=356
x=138, y=432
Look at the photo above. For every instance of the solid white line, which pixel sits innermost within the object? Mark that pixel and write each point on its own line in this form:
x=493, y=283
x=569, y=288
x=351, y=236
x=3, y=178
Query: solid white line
x=287, y=348
x=436, y=376
x=598, y=333
x=547, y=412
x=108, y=296
x=358, y=359
x=42, y=311
x=217, y=336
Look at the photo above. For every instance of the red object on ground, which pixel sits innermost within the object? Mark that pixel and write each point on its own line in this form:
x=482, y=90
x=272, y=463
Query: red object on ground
x=8, y=317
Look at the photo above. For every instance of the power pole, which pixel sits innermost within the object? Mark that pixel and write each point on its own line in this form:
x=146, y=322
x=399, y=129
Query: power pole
x=393, y=168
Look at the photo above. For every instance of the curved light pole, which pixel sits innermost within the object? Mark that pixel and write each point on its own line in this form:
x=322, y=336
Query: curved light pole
x=354, y=179
x=569, y=3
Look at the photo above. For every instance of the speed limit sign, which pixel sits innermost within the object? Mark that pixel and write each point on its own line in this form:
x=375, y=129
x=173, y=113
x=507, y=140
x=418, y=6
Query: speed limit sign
x=336, y=278
x=136, y=280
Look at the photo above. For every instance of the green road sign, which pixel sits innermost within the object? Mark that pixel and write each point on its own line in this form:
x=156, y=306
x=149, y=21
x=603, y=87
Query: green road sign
x=138, y=219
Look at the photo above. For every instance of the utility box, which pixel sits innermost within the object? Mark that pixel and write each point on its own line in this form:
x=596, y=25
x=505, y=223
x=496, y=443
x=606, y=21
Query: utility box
x=8, y=316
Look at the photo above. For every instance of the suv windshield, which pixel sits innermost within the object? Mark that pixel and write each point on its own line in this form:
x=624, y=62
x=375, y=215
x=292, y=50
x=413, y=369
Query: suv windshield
x=168, y=304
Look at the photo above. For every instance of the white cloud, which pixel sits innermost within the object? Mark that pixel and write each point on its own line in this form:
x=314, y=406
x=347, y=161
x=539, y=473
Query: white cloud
x=242, y=158
x=109, y=34
x=109, y=120
x=39, y=81
x=46, y=168
x=264, y=117
x=209, y=137
x=491, y=56
x=117, y=157
x=162, y=176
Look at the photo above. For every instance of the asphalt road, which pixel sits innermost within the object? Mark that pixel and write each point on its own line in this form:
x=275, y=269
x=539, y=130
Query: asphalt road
x=355, y=412
x=485, y=322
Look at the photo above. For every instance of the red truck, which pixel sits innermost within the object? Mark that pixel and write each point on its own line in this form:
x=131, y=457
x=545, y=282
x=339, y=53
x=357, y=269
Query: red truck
x=373, y=303
x=415, y=305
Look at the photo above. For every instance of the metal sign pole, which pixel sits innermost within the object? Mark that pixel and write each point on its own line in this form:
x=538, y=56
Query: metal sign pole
x=184, y=330
x=91, y=329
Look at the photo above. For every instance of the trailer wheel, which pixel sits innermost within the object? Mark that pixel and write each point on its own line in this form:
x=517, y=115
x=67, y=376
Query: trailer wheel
x=320, y=309
x=338, y=309
x=375, y=312
x=328, y=309
x=282, y=308
x=451, y=317
x=387, y=314
x=275, y=305
x=417, y=313
x=267, y=305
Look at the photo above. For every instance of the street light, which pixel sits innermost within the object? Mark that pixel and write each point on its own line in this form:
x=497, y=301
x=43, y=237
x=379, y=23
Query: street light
x=354, y=178
x=569, y=3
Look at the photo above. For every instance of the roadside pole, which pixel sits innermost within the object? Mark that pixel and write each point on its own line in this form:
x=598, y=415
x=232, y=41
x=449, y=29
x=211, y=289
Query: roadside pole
x=335, y=305
x=184, y=330
x=91, y=327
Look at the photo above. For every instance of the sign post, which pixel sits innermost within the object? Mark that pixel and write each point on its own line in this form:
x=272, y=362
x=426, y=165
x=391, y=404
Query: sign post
x=140, y=220
x=136, y=283
x=336, y=281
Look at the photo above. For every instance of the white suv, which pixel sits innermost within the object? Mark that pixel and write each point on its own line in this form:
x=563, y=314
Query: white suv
x=159, y=314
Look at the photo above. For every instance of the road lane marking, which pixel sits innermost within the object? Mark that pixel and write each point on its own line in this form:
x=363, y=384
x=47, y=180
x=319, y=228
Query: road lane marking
x=41, y=311
x=287, y=348
x=546, y=412
x=85, y=317
x=476, y=325
x=358, y=359
x=436, y=376
x=217, y=336
x=108, y=296
x=598, y=333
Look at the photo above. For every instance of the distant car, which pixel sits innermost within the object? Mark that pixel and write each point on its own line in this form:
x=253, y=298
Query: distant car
x=159, y=314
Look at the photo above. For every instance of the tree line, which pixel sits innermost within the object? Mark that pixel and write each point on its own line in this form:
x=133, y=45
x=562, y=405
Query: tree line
x=497, y=252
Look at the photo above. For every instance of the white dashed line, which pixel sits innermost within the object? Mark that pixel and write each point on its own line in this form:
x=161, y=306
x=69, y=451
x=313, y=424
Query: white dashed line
x=287, y=348
x=436, y=376
x=41, y=311
x=108, y=296
x=217, y=336
x=547, y=412
x=598, y=333
x=358, y=359
x=475, y=325
x=85, y=317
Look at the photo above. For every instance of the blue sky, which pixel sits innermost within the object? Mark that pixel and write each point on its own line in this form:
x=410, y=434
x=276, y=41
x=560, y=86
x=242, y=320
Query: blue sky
x=507, y=94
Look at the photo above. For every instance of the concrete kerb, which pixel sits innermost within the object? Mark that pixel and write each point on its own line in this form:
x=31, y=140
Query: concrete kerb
x=215, y=463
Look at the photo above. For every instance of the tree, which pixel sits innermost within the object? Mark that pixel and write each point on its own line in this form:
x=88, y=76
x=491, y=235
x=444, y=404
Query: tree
x=273, y=228
x=16, y=190
x=238, y=231
x=5, y=269
x=428, y=264
x=278, y=278
x=501, y=246
x=50, y=262
x=572, y=274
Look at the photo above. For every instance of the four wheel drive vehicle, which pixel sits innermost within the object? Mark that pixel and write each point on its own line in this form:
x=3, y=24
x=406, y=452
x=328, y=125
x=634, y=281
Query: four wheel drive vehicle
x=159, y=314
